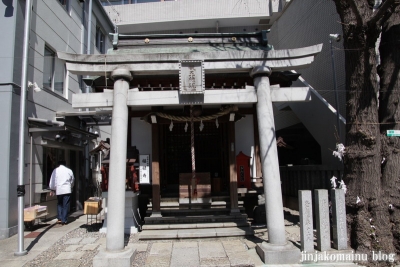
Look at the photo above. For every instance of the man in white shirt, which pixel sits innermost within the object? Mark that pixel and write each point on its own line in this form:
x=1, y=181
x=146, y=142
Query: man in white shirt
x=62, y=181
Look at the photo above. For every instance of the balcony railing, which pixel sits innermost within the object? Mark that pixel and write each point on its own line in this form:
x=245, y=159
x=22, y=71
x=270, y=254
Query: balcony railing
x=127, y=2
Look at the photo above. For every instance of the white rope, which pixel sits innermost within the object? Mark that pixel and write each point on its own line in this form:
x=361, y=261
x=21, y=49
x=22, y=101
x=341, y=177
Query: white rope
x=201, y=118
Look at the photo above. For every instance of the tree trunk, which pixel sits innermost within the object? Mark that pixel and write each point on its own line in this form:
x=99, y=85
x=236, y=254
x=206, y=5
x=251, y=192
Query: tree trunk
x=368, y=221
x=389, y=116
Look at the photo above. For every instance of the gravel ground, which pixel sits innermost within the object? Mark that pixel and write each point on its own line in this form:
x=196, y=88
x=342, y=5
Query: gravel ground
x=45, y=258
x=85, y=231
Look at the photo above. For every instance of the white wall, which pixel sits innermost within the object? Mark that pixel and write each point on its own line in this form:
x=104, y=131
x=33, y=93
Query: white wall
x=141, y=136
x=244, y=135
x=306, y=23
x=244, y=139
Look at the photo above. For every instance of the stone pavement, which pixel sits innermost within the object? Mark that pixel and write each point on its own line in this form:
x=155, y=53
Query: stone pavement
x=76, y=243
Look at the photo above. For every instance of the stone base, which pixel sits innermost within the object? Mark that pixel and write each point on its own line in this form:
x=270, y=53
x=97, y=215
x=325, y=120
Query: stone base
x=199, y=200
x=278, y=254
x=156, y=214
x=123, y=258
x=131, y=230
x=20, y=253
x=235, y=212
x=132, y=218
x=8, y=232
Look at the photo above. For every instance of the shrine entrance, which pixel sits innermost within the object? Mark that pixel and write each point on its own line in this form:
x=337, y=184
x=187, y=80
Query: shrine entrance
x=210, y=154
x=198, y=56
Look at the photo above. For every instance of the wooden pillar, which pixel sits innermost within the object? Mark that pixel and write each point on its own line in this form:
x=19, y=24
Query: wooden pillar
x=155, y=166
x=232, y=168
x=257, y=160
x=129, y=143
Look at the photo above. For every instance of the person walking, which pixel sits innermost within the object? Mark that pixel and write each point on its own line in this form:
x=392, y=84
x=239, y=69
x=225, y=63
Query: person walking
x=61, y=183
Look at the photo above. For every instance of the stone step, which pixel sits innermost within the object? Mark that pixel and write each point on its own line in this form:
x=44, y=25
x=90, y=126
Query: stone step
x=258, y=185
x=237, y=218
x=195, y=233
x=177, y=205
x=176, y=199
x=193, y=212
x=166, y=226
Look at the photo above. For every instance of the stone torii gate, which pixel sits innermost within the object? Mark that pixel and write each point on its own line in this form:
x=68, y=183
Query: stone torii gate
x=123, y=67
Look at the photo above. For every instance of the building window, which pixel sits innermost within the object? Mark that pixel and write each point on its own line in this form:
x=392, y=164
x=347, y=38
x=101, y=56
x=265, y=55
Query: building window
x=53, y=72
x=65, y=4
x=100, y=40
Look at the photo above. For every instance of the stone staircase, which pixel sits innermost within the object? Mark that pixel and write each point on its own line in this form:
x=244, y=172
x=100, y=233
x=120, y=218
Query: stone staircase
x=196, y=220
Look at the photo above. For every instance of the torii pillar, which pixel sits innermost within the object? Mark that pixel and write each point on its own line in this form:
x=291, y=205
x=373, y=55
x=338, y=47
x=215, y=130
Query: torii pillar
x=277, y=250
x=115, y=254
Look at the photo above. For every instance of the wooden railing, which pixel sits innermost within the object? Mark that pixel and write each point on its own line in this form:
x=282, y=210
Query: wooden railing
x=307, y=177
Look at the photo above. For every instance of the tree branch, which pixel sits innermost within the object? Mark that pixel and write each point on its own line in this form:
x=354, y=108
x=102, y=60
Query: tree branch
x=386, y=5
x=356, y=12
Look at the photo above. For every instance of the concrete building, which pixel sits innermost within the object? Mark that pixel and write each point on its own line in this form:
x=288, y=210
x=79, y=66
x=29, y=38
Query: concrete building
x=55, y=26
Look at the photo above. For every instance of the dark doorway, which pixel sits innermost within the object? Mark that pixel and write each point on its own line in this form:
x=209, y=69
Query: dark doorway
x=209, y=153
x=299, y=146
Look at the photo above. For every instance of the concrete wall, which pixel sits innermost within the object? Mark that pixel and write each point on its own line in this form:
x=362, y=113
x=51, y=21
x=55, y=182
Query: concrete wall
x=5, y=147
x=244, y=135
x=306, y=23
x=62, y=30
x=299, y=26
x=8, y=9
x=188, y=14
x=141, y=136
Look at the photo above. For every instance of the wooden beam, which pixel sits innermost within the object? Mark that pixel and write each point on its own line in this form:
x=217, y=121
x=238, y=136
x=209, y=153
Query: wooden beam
x=256, y=144
x=232, y=168
x=155, y=164
x=129, y=128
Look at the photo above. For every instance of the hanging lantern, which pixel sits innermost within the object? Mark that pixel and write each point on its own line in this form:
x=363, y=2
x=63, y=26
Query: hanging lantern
x=171, y=126
x=216, y=123
x=186, y=127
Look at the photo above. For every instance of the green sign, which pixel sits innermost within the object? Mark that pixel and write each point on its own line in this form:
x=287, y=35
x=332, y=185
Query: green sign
x=393, y=133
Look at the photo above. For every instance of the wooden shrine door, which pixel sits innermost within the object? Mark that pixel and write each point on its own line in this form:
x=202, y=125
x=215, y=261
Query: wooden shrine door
x=210, y=155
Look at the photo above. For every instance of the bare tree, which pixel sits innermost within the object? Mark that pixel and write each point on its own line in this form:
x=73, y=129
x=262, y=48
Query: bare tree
x=389, y=117
x=369, y=221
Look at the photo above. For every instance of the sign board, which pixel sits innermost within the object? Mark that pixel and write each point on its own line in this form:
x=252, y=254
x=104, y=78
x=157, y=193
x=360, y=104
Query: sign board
x=144, y=169
x=393, y=132
x=191, y=77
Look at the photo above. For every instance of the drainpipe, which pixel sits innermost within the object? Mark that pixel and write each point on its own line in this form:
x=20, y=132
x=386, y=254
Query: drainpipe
x=22, y=122
x=88, y=51
x=30, y=174
x=83, y=29
x=89, y=37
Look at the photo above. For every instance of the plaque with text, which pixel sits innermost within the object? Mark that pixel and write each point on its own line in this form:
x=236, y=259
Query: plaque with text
x=144, y=169
x=191, y=77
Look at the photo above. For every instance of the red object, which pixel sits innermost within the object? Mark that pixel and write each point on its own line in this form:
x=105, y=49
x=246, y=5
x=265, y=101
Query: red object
x=104, y=180
x=243, y=170
x=131, y=180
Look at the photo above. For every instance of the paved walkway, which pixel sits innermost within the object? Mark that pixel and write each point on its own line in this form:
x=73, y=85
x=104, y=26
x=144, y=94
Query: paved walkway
x=75, y=244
